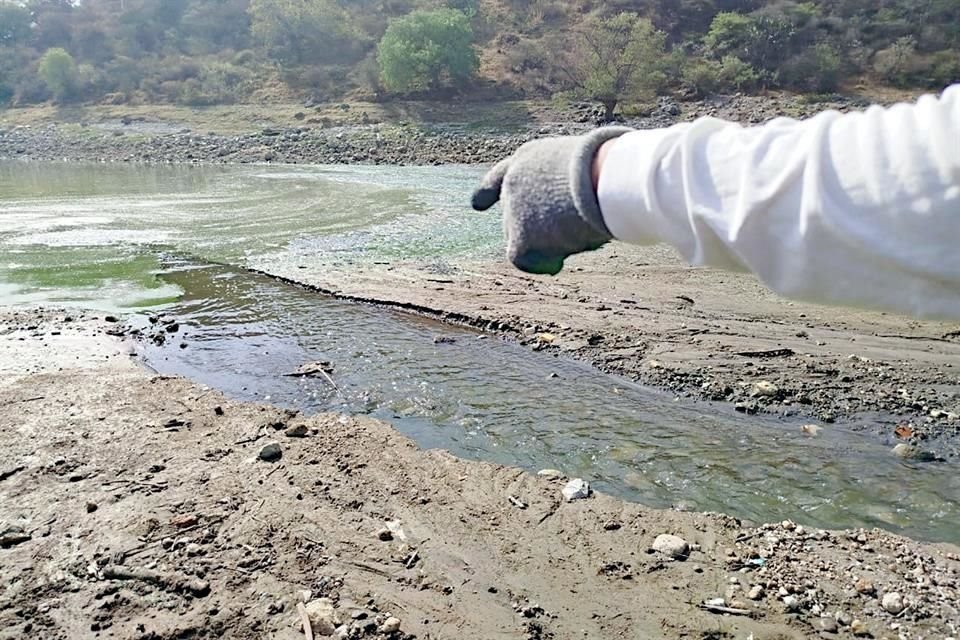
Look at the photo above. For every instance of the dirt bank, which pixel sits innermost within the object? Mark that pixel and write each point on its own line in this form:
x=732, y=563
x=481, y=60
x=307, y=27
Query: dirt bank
x=137, y=506
x=642, y=313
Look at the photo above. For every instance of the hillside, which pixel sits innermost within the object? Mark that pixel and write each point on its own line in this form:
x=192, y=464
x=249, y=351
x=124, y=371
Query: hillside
x=205, y=52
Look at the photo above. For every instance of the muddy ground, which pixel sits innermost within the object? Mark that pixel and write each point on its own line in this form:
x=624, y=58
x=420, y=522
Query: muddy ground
x=640, y=312
x=139, y=506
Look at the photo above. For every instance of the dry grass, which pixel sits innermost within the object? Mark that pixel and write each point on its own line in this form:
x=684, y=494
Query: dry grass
x=239, y=118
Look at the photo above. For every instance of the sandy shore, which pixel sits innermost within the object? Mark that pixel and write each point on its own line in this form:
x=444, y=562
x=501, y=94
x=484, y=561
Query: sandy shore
x=138, y=506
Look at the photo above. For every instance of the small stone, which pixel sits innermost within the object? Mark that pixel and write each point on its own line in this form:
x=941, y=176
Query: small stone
x=91, y=507
x=193, y=549
x=828, y=625
x=671, y=546
x=297, y=431
x=892, y=603
x=576, y=489
x=864, y=587
x=844, y=619
x=390, y=625
x=385, y=535
x=271, y=453
x=791, y=603
x=859, y=628
x=12, y=536
x=185, y=520
x=756, y=592
x=811, y=429
x=323, y=618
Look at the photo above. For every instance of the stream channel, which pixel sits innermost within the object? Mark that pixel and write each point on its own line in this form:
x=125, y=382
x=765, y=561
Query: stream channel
x=178, y=240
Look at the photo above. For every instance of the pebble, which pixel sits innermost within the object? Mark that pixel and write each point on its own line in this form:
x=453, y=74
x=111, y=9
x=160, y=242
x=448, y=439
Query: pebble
x=390, y=625
x=91, y=507
x=756, y=592
x=893, y=603
x=829, y=624
x=672, y=546
x=859, y=628
x=844, y=619
x=297, y=431
x=385, y=535
x=864, y=587
x=550, y=474
x=193, y=549
x=811, y=429
x=271, y=453
x=576, y=489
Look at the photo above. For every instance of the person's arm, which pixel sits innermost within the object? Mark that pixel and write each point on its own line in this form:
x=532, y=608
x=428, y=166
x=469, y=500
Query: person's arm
x=860, y=209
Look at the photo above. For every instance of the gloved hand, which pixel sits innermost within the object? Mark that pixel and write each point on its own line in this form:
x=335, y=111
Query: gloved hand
x=550, y=209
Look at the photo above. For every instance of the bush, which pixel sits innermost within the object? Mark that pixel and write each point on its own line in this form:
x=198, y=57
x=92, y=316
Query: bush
x=427, y=50
x=737, y=75
x=943, y=69
x=708, y=76
x=59, y=72
x=896, y=63
x=701, y=77
x=816, y=69
x=218, y=83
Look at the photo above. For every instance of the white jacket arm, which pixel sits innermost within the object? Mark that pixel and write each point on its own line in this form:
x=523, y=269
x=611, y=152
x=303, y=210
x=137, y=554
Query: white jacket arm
x=859, y=209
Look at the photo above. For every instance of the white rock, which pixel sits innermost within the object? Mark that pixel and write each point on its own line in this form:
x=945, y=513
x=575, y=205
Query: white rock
x=323, y=617
x=756, y=592
x=390, y=625
x=893, y=603
x=791, y=603
x=550, y=474
x=671, y=546
x=576, y=489
x=903, y=450
x=765, y=389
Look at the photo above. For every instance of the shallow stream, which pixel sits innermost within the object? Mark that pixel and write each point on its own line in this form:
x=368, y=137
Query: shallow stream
x=145, y=239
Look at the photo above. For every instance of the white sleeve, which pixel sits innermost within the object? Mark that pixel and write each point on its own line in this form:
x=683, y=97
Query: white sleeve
x=859, y=209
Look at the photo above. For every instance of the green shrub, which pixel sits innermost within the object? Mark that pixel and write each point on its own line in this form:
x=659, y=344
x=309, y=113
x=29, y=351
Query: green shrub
x=817, y=69
x=896, y=63
x=59, y=72
x=427, y=50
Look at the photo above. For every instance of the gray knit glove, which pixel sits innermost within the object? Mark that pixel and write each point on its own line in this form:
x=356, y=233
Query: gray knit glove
x=550, y=210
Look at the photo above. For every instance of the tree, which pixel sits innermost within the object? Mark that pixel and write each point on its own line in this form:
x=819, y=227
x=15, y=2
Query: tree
x=14, y=24
x=59, y=71
x=616, y=59
x=427, y=50
x=303, y=31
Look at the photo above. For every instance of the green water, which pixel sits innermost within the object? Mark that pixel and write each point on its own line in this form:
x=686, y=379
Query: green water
x=135, y=238
x=90, y=233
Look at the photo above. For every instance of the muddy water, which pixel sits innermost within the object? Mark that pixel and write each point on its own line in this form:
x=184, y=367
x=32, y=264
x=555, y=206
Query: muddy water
x=115, y=237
